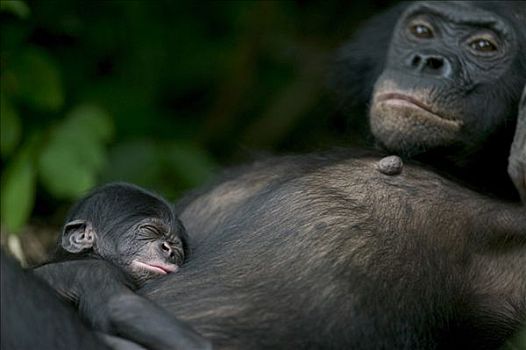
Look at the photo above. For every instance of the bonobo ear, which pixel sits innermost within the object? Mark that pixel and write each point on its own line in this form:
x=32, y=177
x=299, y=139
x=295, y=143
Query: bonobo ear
x=78, y=235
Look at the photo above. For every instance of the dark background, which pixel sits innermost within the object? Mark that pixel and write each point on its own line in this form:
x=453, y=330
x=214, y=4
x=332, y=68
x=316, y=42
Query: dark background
x=159, y=93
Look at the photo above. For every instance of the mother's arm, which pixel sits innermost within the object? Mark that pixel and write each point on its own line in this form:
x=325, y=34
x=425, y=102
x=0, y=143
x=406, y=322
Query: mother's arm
x=106, y=300
x=34, y=318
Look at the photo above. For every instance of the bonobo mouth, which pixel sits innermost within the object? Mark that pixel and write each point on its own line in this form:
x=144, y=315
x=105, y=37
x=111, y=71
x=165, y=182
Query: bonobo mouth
x=161, y=269
x=401, y=100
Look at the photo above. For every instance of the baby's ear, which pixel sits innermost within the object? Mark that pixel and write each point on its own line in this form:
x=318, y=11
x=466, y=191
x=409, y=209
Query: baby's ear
x=78, y=235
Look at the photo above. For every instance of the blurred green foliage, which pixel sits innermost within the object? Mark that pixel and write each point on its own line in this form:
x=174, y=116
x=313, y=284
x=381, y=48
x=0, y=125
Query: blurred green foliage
x=159, y=93
x=64, y=154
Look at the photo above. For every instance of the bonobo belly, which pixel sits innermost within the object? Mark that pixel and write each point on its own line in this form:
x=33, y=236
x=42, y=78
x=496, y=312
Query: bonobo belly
x=328, y=252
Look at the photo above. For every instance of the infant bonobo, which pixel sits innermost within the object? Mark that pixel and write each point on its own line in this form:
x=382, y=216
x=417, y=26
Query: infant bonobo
x=114, y=240
x=124, y=224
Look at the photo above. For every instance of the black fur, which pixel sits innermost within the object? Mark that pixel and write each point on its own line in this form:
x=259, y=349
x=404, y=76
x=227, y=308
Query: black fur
x=326, y=252
x=32, y=317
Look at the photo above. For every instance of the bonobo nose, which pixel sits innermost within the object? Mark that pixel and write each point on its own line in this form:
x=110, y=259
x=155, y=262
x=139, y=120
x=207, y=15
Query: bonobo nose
x=436, y=65
x=168, y=251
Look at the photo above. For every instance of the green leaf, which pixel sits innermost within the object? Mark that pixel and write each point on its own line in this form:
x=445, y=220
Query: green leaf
x=62, y=172
x=136, y=161
x=190, y=164
x=16, y=7
x=10, y=127
x=84, y=132
x=38, y=80
x=74, y=154
x=92, y=119
x=18, y=192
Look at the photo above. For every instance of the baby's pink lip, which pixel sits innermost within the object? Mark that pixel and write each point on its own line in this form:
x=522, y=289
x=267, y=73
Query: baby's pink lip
x=162, y=269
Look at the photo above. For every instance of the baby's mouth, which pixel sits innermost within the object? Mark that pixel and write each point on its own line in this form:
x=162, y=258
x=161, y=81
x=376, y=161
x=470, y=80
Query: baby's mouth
x=158, y=268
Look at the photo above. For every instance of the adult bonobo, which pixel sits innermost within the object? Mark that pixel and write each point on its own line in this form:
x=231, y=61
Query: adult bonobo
x=326, y=252
x=447, y=83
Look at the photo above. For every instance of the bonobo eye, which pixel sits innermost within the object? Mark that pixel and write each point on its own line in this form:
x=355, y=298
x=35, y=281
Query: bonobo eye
x=482, y=45
x=421, y=30
x=151, y=229
x=175, y=242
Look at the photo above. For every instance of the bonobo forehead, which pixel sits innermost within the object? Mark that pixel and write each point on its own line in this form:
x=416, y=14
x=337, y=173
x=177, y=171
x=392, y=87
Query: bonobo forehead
x=481, y=13
x=118, y=203
x=455, y=11
x=459, y=12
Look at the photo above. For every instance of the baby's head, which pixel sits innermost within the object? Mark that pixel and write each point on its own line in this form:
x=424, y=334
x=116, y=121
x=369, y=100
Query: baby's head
x=128, y=226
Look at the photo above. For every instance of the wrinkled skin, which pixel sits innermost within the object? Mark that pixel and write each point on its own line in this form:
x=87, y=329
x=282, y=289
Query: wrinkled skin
x=438, y=85
x=446, y=91
x=128, y=226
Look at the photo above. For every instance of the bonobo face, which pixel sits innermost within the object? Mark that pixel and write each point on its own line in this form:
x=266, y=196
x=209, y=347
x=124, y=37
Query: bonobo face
x=128, y=226
x=447, y=80
x=150, y=248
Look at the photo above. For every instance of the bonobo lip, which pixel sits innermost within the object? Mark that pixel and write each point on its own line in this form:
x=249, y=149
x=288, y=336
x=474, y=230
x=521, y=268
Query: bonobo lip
x=398, y=98
x=161, y=269
x=412, y=100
